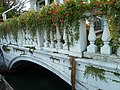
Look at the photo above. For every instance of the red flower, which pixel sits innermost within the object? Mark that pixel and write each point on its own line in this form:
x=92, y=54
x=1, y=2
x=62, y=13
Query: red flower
x=109, y=2
x=81, y=2
x=54, y=26
x=53, y=19
x=61, y=21
x=94, y=12
x=67, y=14
x=101, y=12
x=97, y=3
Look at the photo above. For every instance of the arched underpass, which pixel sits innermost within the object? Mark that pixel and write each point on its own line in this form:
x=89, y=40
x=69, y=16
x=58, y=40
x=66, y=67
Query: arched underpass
x=30, y=76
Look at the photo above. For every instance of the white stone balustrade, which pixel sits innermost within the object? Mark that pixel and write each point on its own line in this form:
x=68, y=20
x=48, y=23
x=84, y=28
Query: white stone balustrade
x=12, y=39
x=65, y=39
x=92, y=48
x=52, y=44
x=106, y=49
x=58, y=37
x=80, y=45
x=20, y=38
x=46, y=43
x=8, y=38
x=40, y=39
x=26, y=38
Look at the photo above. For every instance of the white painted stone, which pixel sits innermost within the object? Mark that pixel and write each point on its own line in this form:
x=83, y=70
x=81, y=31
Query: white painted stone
x=46, y=43
x=80, y=45
x=52, y=44
x=65, y=39
x=58, y=36
x=92, y=48
x=33, y=5
x=40, y=39
x=80, y=77
x=106, y=49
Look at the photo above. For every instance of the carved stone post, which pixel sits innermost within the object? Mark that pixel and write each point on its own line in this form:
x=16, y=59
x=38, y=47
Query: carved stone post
x=46, y=43
x=52, y=44
x=92, y=48
x=58, y=36
x=106, y=49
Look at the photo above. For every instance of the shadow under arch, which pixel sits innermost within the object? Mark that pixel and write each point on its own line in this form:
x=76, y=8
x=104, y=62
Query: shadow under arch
x=40, y=62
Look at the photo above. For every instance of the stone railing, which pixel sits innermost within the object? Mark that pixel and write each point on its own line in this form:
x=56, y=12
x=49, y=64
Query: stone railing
x=57, y=42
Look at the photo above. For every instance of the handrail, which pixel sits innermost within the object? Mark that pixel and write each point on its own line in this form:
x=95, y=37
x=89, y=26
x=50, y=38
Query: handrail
x=21, y=3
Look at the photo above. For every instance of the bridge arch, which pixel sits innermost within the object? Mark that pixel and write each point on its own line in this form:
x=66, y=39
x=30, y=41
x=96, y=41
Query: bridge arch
x=40, y=62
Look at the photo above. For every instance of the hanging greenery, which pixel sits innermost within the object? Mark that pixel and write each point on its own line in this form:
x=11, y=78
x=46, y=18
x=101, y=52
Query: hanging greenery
x=95, y=72
x=65, y=15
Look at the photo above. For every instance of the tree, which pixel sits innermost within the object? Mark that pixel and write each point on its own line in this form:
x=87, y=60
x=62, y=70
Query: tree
x=7, y=4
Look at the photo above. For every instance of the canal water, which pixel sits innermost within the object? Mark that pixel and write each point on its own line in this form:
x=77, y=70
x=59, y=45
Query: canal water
x=34, y=77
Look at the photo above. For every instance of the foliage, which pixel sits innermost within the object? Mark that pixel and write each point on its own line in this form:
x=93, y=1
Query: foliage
x=5, y=48
x=94, y=72
x=7, y=4
x=65, y=15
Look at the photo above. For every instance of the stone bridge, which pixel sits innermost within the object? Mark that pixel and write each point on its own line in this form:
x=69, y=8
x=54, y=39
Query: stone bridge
x=92, y=67
x=89, y=70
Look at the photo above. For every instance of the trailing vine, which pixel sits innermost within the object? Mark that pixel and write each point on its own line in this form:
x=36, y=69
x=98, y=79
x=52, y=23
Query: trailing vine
x=5, y=48
x=65, y=15
x=94, y=72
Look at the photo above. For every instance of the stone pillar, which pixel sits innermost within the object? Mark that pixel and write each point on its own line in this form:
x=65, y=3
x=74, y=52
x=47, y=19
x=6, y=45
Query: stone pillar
x=40, y=39
x=106, y=49
x=33, y=4
x=92, y=48
x=58, y=36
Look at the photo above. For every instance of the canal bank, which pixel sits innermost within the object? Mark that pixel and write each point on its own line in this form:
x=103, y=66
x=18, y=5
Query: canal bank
x=34, y=77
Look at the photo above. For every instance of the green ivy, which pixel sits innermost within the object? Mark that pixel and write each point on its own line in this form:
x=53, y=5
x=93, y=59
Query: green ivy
x=5, y=48
x=65, y=15
x=94, y=72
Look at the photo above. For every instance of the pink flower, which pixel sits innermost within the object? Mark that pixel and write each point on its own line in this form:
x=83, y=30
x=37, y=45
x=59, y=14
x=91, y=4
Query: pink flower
x=101, y=12
x=67, y=14
x=54, y=26
x=61, y=21
x=97, y=3
x=53, y=19
x=81, y=2
x=94, y=12
x=109, y=2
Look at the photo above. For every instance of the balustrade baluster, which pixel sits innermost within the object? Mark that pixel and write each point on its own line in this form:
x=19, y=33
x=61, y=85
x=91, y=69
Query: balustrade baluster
x=12, y=39
x=58, y=36
x=27, y=38
x=30, y=38
x=40, y=39
x=52, y=44
x=92, y=48
x=35, y=41
x=46, y=43
x=24, y=37
x=8, y=38
x=106, y=49
x=4, y=40
x=20, y=38
x=65, y=39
